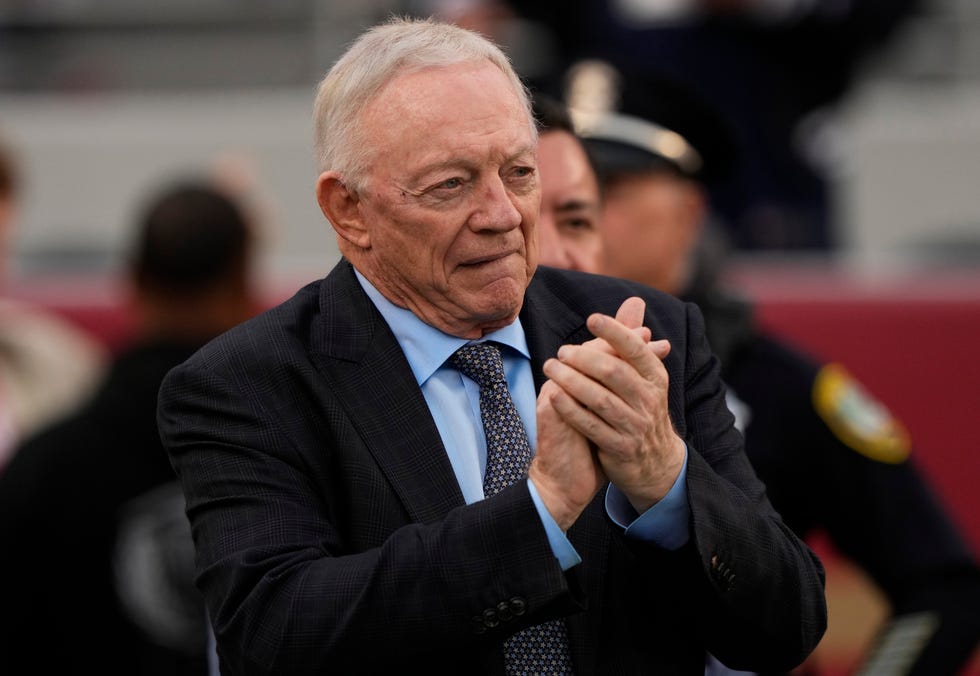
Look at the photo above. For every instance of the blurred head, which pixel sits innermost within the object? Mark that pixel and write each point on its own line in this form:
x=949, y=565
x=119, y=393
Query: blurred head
x=191, y=262
x=654, y=204
x=643, y=225
x=568, y=227
x=651, y=223
x=656, y=145
x=427, y=146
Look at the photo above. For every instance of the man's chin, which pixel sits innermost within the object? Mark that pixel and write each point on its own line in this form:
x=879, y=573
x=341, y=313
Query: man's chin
x=495, y=309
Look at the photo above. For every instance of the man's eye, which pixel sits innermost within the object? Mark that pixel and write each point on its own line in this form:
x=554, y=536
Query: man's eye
x=523, y=172
x=450, y=184
x=578, y=224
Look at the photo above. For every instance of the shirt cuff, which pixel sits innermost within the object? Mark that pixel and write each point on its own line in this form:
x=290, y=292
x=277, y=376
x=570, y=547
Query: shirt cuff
x=560, y=546
x=667, y=523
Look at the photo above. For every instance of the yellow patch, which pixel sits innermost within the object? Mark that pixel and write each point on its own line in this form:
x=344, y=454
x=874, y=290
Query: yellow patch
x=856, y=418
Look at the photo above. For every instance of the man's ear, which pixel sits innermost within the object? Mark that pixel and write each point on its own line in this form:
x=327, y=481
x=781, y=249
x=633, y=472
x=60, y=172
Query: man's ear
x=341, y=206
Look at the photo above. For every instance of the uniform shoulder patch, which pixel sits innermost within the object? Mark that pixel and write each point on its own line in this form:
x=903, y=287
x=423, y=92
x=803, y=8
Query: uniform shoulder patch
x=858, y=419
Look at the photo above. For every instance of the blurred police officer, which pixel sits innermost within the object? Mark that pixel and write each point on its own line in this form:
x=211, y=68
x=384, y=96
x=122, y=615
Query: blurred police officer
x=833, y=458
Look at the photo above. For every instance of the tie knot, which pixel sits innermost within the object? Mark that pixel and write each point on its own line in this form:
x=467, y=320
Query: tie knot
x=481, y=362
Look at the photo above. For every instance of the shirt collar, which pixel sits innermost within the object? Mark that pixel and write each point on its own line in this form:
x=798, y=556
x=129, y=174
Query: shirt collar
x=426, y=347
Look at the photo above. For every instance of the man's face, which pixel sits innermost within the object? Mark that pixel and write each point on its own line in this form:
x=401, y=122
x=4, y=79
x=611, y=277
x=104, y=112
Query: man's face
x=650, y=222
x=451, y=198
x=568, y=233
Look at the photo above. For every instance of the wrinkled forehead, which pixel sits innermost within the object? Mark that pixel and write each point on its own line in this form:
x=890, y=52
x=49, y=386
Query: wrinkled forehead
x=436, y=89
x=467, y=107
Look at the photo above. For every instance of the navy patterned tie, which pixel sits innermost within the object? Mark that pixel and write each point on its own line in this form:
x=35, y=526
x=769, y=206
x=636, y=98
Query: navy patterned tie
x=541, y=649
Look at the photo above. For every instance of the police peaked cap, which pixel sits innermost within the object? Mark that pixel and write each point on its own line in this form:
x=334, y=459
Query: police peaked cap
x=635, y=122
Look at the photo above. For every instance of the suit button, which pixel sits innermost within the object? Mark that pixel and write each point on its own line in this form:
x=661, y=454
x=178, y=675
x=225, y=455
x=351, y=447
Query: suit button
x=490, y=619
x=518, y=605
x=722, y=573
x=476, y=624
x=504, y=612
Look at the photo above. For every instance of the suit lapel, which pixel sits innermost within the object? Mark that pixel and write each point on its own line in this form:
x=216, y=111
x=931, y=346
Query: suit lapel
x=359, y=356
x=549, y=322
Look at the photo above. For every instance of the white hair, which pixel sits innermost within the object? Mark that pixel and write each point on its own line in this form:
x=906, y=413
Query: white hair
x=398, y=46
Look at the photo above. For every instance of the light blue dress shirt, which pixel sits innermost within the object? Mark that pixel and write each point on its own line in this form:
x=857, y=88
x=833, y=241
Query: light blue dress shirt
x=454, y=401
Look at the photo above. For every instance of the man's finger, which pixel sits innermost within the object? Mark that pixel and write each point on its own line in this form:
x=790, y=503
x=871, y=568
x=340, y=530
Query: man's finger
x=624, y=341
x=630, y=313
x=661, y=348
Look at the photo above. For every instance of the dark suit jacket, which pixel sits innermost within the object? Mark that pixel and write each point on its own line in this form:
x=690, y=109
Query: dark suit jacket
x=332, y=536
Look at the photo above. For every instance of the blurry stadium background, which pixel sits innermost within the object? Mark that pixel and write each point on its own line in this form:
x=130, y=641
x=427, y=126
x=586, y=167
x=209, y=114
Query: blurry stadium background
x=103, y=100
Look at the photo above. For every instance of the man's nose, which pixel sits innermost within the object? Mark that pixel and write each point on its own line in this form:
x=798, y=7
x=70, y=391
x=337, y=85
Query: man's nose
x=497, y=209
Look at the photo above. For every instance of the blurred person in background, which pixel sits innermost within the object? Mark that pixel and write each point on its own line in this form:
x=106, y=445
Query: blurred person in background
x=831, y=456
x=47, y=365
x=97, y=567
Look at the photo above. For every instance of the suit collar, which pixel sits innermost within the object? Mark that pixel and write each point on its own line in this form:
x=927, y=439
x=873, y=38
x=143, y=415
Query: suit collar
x=548, y=321
x=548, y=324
x=353, y=322
x=426, y=347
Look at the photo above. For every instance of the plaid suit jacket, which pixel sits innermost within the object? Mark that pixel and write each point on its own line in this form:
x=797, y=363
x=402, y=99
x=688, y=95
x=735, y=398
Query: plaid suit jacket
x=332, y=537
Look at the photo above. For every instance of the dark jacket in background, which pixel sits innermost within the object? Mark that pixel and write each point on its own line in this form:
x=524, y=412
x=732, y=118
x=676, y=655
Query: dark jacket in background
x=65, y=501
x=865, y=493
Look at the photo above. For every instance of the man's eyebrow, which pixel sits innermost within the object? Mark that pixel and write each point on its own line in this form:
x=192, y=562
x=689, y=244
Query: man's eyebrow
x=466, y=164
x=523, y=152
x=439, y=166
x=576, y=205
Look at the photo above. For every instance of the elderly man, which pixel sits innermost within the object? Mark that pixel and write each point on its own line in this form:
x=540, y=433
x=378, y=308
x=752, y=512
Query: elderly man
x=355, y=461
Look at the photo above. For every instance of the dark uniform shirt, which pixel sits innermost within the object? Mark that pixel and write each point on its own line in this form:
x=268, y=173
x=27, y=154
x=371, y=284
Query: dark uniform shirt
x=834, y=460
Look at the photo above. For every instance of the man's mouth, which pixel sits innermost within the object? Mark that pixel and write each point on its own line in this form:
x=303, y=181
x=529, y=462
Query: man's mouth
x=489, y=258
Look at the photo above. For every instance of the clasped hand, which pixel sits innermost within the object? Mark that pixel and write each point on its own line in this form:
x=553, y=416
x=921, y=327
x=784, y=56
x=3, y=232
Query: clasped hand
x=603, y=415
